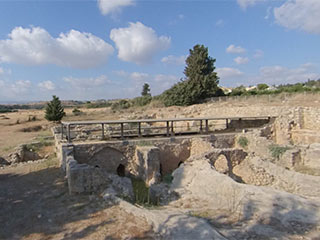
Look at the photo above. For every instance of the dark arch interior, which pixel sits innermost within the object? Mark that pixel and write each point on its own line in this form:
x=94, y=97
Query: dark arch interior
x=180, y=163
x=121, y=170
x=160, y=170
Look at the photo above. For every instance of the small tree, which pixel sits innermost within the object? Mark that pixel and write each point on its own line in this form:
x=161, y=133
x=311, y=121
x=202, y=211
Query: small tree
x=145, y=90
x=54, y=110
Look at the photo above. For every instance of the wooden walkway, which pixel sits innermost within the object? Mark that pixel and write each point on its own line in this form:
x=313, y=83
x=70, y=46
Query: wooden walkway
x=155, y=127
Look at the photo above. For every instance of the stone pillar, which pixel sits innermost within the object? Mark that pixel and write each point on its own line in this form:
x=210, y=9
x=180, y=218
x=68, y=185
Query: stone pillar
x=147, y=161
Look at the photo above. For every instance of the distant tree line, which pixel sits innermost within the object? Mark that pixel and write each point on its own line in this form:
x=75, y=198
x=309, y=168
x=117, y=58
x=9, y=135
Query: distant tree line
x=264, y=89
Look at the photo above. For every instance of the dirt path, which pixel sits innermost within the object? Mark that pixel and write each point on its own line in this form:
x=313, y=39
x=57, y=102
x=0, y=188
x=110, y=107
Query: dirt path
x=35, y=204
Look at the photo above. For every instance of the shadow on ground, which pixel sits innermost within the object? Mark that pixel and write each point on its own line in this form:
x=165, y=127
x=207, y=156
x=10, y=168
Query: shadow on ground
x=286, y=221
x=37, y=205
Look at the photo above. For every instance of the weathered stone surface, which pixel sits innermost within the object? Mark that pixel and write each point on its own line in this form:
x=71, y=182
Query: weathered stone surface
x=122, y=186
x=110, y=196
x=264, y=173
x=161, y=194
x=311, y=157
x=3, y=162
x=66, y=151
x=83, y=178
x=277, y=210
x=200, y=146
x=290, y=159
x=22, y=154
x=173, y=224
x=148, y=164
x=173, y=154
x=221, y=164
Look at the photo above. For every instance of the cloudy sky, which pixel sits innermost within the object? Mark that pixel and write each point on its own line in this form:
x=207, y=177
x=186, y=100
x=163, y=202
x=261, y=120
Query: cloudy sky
x=87, y=49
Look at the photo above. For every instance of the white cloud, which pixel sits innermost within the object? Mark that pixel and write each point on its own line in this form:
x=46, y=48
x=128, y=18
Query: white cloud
x=20, y=86
x=47, y=85
x=5, y=71
x=247, y=3
x=87, y=83
x=235, y=49
x=268, y=13
x=281, y=75
x=299, y=14
x=35, y=46
x=241, y=60
x=139, y=77
x=219, y=23
x=258, y=54
x=177, y=60
x=112, y=6
x=138, y=43
x=228, y=73
x=162, y=82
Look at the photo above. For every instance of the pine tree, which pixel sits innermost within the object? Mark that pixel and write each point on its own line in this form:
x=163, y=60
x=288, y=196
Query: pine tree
x=54, y=110
x=145, y=90
x=201, y=81
x=200, y=73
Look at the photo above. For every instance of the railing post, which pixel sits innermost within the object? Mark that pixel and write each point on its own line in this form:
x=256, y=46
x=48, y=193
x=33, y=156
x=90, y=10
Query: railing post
x=200, y=126
x=102, y=125
x=61, y=131
x=172, y=131
x=69, y=137
x=139, y=129
x=207, y=125
x=121, y=130
x=168, y=129
x=227, y=123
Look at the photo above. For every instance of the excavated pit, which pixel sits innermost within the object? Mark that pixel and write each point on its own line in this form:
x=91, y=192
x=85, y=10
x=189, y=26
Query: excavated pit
x=87, y=163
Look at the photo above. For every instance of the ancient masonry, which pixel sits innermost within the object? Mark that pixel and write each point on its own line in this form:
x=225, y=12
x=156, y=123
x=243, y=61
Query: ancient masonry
x=88, y=164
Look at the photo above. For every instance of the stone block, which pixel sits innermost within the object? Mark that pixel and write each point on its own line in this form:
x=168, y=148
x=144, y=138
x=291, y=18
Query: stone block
x=148, y=164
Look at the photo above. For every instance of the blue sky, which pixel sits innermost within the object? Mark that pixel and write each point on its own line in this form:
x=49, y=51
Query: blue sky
x=86, y=50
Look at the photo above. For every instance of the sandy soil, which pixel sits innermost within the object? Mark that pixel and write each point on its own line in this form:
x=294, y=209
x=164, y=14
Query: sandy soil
x=35, y=204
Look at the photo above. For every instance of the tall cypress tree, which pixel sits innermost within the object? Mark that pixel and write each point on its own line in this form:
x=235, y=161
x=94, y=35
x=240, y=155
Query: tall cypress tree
x=54, y=110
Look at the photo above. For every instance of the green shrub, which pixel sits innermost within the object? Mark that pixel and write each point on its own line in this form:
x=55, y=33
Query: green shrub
x=243, y=142
x=122, y=104
x=142, y=193
x=277, y=151
x=98, y=104
x=141, y=101
x=76, y=112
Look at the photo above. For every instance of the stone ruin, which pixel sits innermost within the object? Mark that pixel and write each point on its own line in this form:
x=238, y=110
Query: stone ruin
x=88, y=166
x=212, y=175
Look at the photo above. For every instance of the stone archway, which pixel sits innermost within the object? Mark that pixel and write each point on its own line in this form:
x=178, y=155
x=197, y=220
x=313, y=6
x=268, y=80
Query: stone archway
x=109, y=159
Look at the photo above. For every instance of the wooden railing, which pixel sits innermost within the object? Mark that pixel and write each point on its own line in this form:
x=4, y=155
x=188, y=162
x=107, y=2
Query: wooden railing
x=137, y=129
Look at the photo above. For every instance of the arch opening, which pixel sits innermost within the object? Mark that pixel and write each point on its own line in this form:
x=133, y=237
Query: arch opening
x=121, y=170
